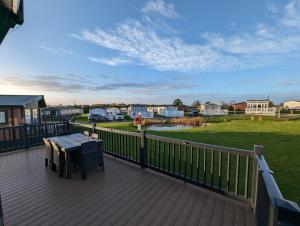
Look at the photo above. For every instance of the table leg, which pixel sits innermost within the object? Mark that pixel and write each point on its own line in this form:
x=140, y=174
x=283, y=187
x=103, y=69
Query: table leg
x=68, y=165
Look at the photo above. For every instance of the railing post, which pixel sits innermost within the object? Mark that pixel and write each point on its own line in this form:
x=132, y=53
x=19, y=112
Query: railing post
x=143, y=149
x=258, y=150
x=94, y=128
x=25, y=136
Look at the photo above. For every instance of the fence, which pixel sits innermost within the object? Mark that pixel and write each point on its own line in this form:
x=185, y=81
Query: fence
x=238, y=173
x=24, y=136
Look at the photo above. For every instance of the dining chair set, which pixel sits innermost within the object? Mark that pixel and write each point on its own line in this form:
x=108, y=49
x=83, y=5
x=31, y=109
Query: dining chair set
x=73, y=152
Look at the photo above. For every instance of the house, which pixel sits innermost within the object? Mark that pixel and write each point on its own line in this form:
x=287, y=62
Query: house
x=98, y=111
x=260, y=107
x=135, y=109
x=185, y=108
x=170, y=111
x=19, y=109
x=60, y=112
x=239, y=106
x=124, y=110
x=211, y=109
x=291, y=105
x=153, y=109
x=11, y=13
x=113, y=111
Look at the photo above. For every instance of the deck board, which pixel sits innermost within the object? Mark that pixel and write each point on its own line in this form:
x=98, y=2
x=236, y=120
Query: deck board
x=123, y=195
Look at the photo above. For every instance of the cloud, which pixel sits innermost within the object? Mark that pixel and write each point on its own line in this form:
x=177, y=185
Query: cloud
x=265, y=45
x=143, y=46
x=109, y=61
x=57, y=51
x=160, y=7
x=292, y=14
x=80, y=83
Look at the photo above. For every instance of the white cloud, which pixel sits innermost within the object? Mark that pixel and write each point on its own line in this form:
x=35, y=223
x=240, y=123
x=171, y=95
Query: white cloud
x=57, y=51
x=146, y=47
x=160, y=7
x=292, y=14
x=264, y=45
x=109, y=61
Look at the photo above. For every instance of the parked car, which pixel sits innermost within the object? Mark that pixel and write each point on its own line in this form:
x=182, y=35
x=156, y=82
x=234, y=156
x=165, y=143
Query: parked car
x=97, y=118
x=194, y=113
x=119, y=116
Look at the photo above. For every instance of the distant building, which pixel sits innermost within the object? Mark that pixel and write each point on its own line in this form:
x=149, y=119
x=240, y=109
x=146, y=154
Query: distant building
x=211, y=109
x=170, y=111
x=124, y=109
x=291, y=105
x=185, y=108
x=98, y=111
x=113, y=111
x=135, y=109
x=239, y=106
x=19, y=109
x=260, y=107
x=153, y=109
x=61, y=112
x=11, y=13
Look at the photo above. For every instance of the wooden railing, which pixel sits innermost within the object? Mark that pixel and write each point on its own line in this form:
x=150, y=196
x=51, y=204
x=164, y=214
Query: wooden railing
x=242, y=174
x=270, y=207
x=25, y=136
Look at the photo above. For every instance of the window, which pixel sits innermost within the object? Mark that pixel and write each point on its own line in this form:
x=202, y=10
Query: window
x=28, y=116
x=3, y=118
x=35, y=118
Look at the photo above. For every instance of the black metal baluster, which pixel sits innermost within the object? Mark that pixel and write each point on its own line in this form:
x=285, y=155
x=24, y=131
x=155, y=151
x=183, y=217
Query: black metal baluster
x=220, y=169
x=191, y=162
x=212, y=163
x=228, y=171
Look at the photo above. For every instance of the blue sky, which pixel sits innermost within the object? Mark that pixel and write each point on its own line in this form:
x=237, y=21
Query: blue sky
x=154, y=51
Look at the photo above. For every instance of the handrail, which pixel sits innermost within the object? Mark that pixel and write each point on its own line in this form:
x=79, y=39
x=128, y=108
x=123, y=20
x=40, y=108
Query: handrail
x=270, y=207
x=220, y=148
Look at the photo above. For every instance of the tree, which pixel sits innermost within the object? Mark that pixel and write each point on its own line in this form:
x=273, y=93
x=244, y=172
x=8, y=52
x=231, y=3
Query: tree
x=196, y=103
x=177, y=102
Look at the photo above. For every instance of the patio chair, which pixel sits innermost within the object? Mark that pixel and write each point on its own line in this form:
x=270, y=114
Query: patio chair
x=95, y=136
x=90, y=155
x=87, y=133
x=49, y=153
x=58, y=159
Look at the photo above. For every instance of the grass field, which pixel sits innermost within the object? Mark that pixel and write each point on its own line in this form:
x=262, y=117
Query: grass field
x=281, y=141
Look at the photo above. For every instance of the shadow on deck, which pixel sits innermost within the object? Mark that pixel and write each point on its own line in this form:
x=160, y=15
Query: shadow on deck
x=124, y=194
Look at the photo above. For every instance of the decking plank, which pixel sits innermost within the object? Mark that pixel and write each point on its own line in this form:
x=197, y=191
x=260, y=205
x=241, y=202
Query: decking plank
x=207, y=213
x=124, y=194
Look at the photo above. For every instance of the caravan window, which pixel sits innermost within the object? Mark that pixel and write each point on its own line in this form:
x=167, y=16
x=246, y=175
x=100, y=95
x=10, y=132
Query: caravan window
x=3, y=117
x=27, y=116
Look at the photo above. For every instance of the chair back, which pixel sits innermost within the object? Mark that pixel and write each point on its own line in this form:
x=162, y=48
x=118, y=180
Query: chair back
x=86, y=133
x=55, y=146
x=89, y=146
x=48, y=144
x=95, y=136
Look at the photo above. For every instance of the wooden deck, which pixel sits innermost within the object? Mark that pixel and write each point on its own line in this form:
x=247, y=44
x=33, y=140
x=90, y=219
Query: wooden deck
x=124, y=194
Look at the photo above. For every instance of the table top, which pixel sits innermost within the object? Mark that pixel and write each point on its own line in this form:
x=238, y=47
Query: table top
x=72, y=141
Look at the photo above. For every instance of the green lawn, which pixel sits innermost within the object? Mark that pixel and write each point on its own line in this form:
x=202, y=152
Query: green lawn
x=281, y=141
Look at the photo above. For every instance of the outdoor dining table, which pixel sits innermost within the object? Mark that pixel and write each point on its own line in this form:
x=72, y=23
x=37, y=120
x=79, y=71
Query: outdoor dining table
x=70, y=143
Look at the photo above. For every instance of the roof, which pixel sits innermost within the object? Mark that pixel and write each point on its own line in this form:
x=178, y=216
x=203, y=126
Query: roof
x=62, y=107
x=291, y=101
x=259, y=100
x=240, y=103
x=11, y=13
x=22, y=100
